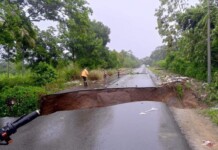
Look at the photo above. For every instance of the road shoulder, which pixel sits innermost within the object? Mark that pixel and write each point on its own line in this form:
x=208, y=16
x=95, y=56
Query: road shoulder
x=198, y=129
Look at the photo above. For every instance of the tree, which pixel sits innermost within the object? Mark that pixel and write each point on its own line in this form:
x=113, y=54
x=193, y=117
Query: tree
x=101, y=31
x=166, y=20
x=147, y=61
x=19, y=32
x=47, y=49
x=128, y=59
x=85, y=39
x=190, y=59
x=159, y=53
x=25, y=40
x=42, y=10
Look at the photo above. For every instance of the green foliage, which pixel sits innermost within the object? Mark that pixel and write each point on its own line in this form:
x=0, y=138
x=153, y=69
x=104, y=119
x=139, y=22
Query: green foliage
x=44, y=73
x=187, y=49
x=157, y=57
x=215, y=79
x=113, y=60
x=166, y=20
x=77, y=39
x=212, y=90
x=6, y=67
x=56, y=86
x=161, y=63
x=101, y=31
x=159, y=53
x=70, y=72
x=128, y=59
x=25, y=100
x=179, y=90
x=14, y=80
x=213, y=114
x=46, y=49
x=177, y=63
x=212, y=98
x=48, y=10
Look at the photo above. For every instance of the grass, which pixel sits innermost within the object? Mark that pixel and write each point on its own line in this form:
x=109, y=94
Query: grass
x=212, y=114
x=99, y=74
x=179, y=90
x=70, y=72
x=14, y=80
x=11, y=76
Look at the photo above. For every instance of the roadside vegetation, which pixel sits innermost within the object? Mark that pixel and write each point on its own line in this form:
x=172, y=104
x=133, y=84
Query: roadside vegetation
x=184, y=32
x=213, y=114
x=35, y=62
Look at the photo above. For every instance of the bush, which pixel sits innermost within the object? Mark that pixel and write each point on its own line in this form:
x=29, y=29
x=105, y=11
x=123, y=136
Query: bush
x=71, y=72
x=13, y=80
x=215, y=79
x=179, y=90
x=95, y=75
x=111, y=72
x=213, y=114
x=25, y=100
x=161, y=64
x=191, y=71
x=212, y=97
x=178, y=64
x=56, y=86
x=44, y=73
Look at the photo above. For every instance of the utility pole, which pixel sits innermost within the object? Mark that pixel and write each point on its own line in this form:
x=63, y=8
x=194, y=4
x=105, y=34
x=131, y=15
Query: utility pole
x=208, y=44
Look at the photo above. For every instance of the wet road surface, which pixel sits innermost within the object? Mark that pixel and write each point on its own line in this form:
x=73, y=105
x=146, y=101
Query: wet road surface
x=130, y=126
x=138, y=78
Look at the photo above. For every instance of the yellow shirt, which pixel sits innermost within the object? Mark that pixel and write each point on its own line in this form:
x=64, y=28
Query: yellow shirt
x=84, y=73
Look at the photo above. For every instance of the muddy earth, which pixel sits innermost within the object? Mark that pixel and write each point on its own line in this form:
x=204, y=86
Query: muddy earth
x=91, y=98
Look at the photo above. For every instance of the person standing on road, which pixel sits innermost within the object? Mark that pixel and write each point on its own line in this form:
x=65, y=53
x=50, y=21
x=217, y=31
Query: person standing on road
x=118, y=73
x=105, y=78
x=84, y=75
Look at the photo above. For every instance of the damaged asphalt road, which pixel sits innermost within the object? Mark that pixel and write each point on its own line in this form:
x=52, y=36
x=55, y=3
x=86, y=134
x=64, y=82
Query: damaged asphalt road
x=131, y=126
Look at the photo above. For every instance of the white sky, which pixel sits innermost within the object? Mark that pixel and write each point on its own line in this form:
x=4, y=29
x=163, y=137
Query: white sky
x=132, y=24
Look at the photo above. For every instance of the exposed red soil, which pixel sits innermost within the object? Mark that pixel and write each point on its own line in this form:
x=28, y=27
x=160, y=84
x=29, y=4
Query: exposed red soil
x=111, y=96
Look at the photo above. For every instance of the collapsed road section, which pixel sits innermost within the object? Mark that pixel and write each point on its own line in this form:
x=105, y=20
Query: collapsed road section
x=168, y=94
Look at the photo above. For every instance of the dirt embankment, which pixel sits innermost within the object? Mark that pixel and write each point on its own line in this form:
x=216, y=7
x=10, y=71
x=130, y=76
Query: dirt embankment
x=174, y=94
x=200, y=132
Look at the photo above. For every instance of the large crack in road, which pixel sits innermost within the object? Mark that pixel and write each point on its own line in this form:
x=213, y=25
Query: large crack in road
x=111, y=96
x=136, y=86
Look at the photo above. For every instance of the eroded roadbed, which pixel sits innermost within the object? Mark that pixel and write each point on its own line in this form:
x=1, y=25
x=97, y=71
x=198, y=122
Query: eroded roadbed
x=111, y=96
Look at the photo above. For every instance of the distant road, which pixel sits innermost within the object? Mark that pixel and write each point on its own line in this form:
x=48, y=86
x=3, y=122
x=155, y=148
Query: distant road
x=138, y=78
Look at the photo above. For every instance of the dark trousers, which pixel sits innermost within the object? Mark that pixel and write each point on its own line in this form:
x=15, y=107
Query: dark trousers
x=84, y=81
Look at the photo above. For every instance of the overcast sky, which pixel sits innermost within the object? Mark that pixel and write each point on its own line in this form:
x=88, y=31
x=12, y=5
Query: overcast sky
x=132, y=24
